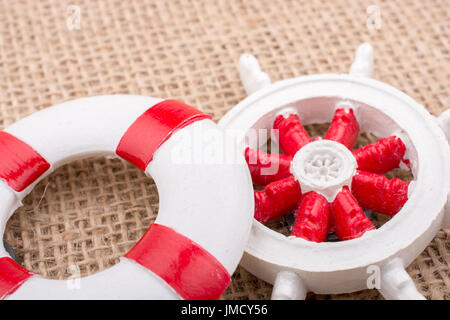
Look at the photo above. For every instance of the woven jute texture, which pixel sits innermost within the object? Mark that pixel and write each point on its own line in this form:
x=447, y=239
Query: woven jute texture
x=87, y=214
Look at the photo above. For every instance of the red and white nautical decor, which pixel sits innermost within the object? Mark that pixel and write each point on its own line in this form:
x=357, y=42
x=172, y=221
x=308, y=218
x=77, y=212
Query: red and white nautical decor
x=327, y=183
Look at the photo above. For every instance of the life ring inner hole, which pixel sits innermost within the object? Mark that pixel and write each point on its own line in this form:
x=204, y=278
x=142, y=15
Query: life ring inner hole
x=82, y=218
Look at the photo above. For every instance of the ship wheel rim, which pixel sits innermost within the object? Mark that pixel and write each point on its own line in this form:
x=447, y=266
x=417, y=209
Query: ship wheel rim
x=288, y=92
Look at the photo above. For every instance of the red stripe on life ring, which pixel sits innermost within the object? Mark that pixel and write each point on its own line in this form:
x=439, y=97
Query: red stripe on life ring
x=190, y=270
x=20, y=164
x=12, y=276
x=153, y=128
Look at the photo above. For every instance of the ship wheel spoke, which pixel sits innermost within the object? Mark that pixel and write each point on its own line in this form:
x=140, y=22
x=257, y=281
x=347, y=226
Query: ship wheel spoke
x=382, y=156
x=277, y=199
x=344, y=128
x=348, y=218
x=266, y=168
x=312, y=218
x=292, y=136
x=377, y=193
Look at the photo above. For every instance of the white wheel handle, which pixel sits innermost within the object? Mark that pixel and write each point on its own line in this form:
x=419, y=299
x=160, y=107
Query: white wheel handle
x=252, y=77
x=289, y=286
x=396, y=284
x=363, y=62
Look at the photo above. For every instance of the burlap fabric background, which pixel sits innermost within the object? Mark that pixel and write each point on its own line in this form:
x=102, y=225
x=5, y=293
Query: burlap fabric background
x=89, y=213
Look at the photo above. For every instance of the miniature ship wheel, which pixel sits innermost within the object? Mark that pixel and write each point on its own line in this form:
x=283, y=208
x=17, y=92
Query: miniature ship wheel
x=327, y=183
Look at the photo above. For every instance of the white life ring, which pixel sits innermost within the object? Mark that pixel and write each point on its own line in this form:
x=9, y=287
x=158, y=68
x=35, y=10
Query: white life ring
x=199, y=235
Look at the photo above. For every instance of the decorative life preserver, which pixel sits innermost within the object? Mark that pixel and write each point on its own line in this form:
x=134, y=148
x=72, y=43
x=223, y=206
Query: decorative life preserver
x=199, y=235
